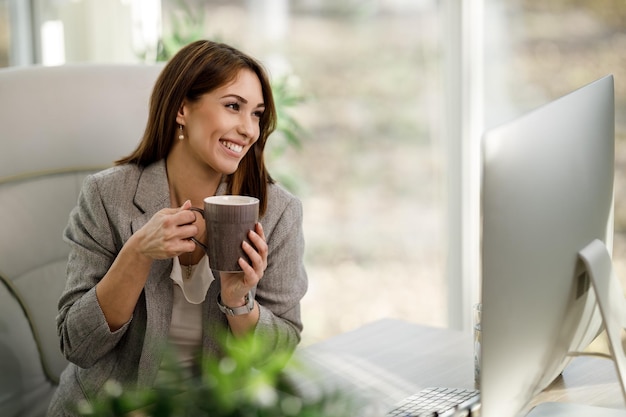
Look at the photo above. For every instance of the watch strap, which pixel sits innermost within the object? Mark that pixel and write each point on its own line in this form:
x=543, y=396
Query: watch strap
x=236, y=311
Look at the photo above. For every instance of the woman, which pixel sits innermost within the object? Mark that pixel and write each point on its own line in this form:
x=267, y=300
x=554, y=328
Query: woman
x=135, y=280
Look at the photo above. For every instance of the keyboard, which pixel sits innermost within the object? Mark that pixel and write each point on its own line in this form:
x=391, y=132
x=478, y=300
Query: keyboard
x=436, y=402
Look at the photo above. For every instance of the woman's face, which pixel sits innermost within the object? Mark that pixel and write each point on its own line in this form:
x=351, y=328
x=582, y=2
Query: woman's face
x=222, y=125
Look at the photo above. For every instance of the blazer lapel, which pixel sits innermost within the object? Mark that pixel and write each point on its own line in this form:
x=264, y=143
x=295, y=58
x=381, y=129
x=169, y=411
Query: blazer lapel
x=153, y=195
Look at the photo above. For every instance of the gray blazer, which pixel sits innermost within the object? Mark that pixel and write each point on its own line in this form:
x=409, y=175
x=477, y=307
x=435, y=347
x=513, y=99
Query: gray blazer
x=115, y=203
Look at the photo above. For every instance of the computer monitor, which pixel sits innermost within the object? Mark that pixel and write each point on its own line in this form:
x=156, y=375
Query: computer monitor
x=547, y=192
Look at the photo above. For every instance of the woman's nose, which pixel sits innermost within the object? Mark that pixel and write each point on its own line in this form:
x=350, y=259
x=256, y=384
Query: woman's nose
x=248, y=127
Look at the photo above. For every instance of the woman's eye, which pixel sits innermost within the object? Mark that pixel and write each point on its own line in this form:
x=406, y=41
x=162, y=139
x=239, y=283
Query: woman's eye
x=234, y=106
x=258, y=114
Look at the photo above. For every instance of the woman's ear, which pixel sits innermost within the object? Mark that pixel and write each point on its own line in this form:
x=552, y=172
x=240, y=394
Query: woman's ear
x=180, y=116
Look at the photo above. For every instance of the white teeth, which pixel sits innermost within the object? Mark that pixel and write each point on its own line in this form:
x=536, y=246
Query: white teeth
x=233, y=146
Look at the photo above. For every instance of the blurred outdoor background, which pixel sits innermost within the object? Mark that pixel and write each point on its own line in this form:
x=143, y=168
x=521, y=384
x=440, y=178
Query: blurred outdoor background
x=368, y=86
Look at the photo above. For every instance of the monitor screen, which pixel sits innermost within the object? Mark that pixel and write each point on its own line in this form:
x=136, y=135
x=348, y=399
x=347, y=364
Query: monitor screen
x=547, y=192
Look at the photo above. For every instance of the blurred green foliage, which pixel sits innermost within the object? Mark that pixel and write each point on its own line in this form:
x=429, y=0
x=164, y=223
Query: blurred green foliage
x=187, y=25
x=247, y=381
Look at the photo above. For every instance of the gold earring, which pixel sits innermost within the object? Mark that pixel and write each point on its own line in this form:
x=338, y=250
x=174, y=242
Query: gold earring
x=181, y=136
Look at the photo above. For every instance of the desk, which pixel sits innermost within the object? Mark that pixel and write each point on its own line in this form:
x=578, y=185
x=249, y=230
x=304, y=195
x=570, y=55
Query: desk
x=387, y=360
x=586, y=380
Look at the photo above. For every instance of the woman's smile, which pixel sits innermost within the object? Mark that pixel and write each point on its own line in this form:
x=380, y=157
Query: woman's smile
x=233, y=147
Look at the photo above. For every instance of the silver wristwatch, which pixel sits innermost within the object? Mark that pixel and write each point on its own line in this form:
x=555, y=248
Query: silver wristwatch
x=236, y=311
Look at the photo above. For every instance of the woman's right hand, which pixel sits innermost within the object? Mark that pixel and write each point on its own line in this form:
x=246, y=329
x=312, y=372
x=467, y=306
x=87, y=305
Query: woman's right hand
x=168, y=233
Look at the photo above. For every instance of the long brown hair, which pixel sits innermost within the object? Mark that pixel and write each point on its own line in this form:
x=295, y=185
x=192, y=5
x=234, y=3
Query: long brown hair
x=197, y=69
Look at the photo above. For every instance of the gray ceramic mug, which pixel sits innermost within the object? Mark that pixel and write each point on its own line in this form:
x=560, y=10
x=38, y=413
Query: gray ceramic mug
x=228, y=220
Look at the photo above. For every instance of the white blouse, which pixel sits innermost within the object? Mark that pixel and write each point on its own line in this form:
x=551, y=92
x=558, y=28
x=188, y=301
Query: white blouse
x=185, y=335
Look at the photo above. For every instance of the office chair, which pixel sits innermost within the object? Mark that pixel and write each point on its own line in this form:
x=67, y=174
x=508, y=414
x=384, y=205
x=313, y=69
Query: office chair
x=58, y=124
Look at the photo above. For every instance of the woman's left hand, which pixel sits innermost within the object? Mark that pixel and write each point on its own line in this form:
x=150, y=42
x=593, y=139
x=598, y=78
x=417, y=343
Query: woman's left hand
x=236, y=285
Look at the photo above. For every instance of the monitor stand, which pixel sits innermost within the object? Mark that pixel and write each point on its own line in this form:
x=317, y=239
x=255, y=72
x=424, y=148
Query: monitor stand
x=611, y=303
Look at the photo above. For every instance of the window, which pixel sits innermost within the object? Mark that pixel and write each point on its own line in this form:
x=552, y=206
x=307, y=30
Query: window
x=371, y=170
x=537, y=51
x=380, y=170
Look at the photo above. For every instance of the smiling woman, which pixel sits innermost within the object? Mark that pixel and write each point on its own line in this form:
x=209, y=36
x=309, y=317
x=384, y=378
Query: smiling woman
x=134, y=232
